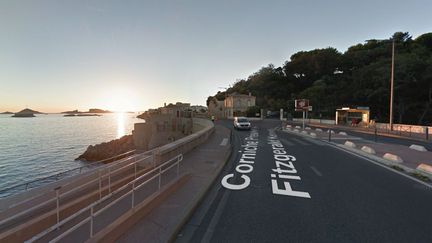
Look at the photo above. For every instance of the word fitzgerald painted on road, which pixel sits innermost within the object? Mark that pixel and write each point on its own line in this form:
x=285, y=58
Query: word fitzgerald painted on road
x=245, y=164
x=284, y=169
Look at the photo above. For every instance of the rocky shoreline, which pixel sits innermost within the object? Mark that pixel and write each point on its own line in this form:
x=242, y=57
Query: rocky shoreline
x=108, y=149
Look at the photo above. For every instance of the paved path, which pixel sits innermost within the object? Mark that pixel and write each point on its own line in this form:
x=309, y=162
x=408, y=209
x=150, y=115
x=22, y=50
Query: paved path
x=203, y=164
x=334, y=197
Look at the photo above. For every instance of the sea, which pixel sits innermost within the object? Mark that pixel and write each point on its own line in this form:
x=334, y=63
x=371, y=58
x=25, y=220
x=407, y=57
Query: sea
x=33, y=149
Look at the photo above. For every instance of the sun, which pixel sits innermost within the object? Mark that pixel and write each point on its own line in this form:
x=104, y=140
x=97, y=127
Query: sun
x=119, y=100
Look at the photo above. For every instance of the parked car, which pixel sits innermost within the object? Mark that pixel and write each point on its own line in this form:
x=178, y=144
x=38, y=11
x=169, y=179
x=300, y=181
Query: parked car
x=242, y=123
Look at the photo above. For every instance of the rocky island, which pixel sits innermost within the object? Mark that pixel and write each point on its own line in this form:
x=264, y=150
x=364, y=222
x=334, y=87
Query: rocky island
x=26, y=113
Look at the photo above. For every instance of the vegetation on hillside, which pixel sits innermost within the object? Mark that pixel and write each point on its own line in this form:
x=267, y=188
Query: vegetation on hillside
x=359, y=77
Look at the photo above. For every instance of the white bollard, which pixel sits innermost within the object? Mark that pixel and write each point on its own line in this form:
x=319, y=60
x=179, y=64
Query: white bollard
x=313, y=134
x=350, y=144
x=343, y=133
x=418, y=147
x=368, y=150
x=393, y=157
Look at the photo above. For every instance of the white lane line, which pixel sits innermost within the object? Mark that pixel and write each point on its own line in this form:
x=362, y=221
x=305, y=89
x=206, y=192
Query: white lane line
x=224, y=142
x=286, y=142
x=300, y=142
x=216, y=216
x=316, y=171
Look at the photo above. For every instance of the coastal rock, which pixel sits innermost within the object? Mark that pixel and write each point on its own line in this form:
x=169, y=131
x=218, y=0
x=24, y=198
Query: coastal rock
x=108, y=149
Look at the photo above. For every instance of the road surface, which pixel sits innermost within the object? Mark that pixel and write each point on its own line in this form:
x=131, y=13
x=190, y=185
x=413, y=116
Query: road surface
x=312, y=193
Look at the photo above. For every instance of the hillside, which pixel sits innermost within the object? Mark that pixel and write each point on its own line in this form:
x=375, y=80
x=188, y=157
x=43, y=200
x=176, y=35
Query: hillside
x=358, y=77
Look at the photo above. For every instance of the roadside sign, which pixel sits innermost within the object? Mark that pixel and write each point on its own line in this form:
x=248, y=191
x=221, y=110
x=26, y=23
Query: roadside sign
x=301, y=105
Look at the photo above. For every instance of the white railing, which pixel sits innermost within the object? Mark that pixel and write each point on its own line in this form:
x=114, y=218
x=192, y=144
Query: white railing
x=5, y=192
x=93, y=212
x=109, y=172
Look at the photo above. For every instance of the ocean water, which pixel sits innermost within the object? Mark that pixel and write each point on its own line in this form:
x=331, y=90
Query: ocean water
x=34, y=148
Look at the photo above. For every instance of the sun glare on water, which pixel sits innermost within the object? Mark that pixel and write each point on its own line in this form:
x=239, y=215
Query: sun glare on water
x=120, y=124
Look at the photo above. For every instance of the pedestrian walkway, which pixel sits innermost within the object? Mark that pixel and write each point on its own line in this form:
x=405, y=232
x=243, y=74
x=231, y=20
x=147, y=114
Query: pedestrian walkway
x=202, y=164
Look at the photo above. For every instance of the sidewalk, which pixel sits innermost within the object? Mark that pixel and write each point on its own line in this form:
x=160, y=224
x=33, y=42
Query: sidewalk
x=202, y=164
x=411, y=158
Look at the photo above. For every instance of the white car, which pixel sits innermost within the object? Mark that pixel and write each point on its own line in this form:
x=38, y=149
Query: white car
x=242, y=123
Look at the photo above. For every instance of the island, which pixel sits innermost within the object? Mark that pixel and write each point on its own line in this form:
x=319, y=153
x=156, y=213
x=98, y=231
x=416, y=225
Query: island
x=7, y=113
x=90, y=112
x=26, y=113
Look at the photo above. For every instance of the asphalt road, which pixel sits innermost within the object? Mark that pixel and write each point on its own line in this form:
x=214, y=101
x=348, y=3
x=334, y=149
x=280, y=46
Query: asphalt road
x=351, y=199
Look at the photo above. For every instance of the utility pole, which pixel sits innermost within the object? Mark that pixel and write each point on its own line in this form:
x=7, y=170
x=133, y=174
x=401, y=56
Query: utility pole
x=391, y=86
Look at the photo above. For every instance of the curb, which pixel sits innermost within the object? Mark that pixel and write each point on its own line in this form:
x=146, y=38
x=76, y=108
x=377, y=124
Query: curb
x=197, y=201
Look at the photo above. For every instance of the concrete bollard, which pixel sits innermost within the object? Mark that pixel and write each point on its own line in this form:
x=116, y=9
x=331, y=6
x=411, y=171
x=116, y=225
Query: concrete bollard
x=332, y=132
x=393, y=157
x=296, y=130
x=304, y=132
x=425, y=168
x=288, y=126
x=318, y=130
x=343, y=133
x=308, y=128
x=350, y=144
x=297, y=127
x=368, y=150
x=313, y=134
x=418, y=147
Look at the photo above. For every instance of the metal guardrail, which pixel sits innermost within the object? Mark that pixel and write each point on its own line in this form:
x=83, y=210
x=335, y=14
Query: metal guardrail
x=110, y=170
x=52, y=178
x=93, y=210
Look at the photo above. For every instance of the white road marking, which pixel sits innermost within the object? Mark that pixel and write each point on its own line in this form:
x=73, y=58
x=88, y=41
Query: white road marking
x=224, y=142
x=300, y=142
x=316, y=171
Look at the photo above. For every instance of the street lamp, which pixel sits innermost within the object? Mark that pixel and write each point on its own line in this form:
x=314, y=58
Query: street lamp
x=391, y=86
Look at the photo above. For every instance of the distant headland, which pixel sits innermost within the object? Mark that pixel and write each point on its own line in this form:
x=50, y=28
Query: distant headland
x=7, y=113
x=93, y=111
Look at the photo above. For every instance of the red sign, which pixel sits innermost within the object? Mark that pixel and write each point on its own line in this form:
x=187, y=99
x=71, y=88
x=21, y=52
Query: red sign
x=301, y=105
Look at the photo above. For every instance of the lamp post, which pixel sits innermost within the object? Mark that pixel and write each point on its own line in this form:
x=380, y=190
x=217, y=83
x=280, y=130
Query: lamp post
x=391, y=86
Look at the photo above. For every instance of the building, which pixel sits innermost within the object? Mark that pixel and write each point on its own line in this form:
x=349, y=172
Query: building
x=216, y=108
x=237, y=104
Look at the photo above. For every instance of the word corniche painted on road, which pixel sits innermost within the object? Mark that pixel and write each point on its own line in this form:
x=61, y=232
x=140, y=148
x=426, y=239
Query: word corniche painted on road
x=244, y=167
x=285, y=169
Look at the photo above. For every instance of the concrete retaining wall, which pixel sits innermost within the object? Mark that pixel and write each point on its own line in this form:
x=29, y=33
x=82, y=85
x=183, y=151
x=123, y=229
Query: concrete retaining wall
x=185, y=144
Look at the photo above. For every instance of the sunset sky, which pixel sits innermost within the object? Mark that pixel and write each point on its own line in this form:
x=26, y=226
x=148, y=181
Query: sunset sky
x=135, y=55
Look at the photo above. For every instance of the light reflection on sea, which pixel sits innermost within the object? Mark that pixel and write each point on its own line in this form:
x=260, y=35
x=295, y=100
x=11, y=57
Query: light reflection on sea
x=32, y=148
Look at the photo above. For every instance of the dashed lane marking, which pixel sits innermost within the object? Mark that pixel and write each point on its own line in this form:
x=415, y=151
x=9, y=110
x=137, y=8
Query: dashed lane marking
x=224, y=142
x=316, y=171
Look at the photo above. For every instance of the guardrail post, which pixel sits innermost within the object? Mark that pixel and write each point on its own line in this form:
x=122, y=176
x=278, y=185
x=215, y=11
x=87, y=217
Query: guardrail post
x=100, y=184
x=91, y=221
x=160, y=177
x=109, y=179
x=135, y=170
x=376, y=136
x=133, y=194
x=57, y=203
x=329, y=137
x=427, y=133
x=178, y=166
